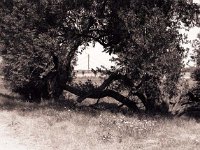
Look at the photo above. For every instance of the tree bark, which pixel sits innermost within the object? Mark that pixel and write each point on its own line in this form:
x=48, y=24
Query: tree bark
x=96, y=93
x=101, y=91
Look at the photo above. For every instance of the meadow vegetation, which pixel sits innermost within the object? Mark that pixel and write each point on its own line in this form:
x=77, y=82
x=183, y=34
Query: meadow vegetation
x=67, y=126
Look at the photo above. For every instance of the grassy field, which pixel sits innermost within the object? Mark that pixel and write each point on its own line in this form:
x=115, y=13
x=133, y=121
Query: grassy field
x=64, y=126
x=67, y=126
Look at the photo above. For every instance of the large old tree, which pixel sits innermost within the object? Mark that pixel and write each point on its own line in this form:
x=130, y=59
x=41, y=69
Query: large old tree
x=41, y=39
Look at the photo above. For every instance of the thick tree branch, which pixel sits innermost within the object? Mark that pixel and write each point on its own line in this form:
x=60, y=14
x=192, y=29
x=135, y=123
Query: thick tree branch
x=124, y=78
x=101, y=91
x=96, y=93
x=142, y=98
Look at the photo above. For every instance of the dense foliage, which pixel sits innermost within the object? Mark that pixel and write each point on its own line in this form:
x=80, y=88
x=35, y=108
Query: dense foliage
x=39, y=48
x=41, y=39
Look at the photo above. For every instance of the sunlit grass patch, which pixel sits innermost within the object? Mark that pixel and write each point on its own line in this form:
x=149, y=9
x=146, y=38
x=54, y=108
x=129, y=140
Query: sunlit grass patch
x=50, y=128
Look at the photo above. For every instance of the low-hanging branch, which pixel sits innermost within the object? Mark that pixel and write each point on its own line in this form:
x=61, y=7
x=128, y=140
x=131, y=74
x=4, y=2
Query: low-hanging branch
x=117, y=76
x=101, y=91
x=96, y=93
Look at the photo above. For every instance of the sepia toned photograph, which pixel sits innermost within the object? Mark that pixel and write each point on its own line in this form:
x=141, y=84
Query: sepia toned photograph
x=99, y=74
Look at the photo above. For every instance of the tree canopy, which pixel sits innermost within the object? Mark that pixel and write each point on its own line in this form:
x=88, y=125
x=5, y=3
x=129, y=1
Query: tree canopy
x=41, y=39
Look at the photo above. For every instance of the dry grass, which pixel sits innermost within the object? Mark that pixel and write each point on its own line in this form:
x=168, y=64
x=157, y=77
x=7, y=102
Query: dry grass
x=67, y=127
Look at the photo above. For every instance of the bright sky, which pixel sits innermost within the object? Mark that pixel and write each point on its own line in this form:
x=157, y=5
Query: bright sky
x=196, y=1
x=192, y=35
x=96, y=58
